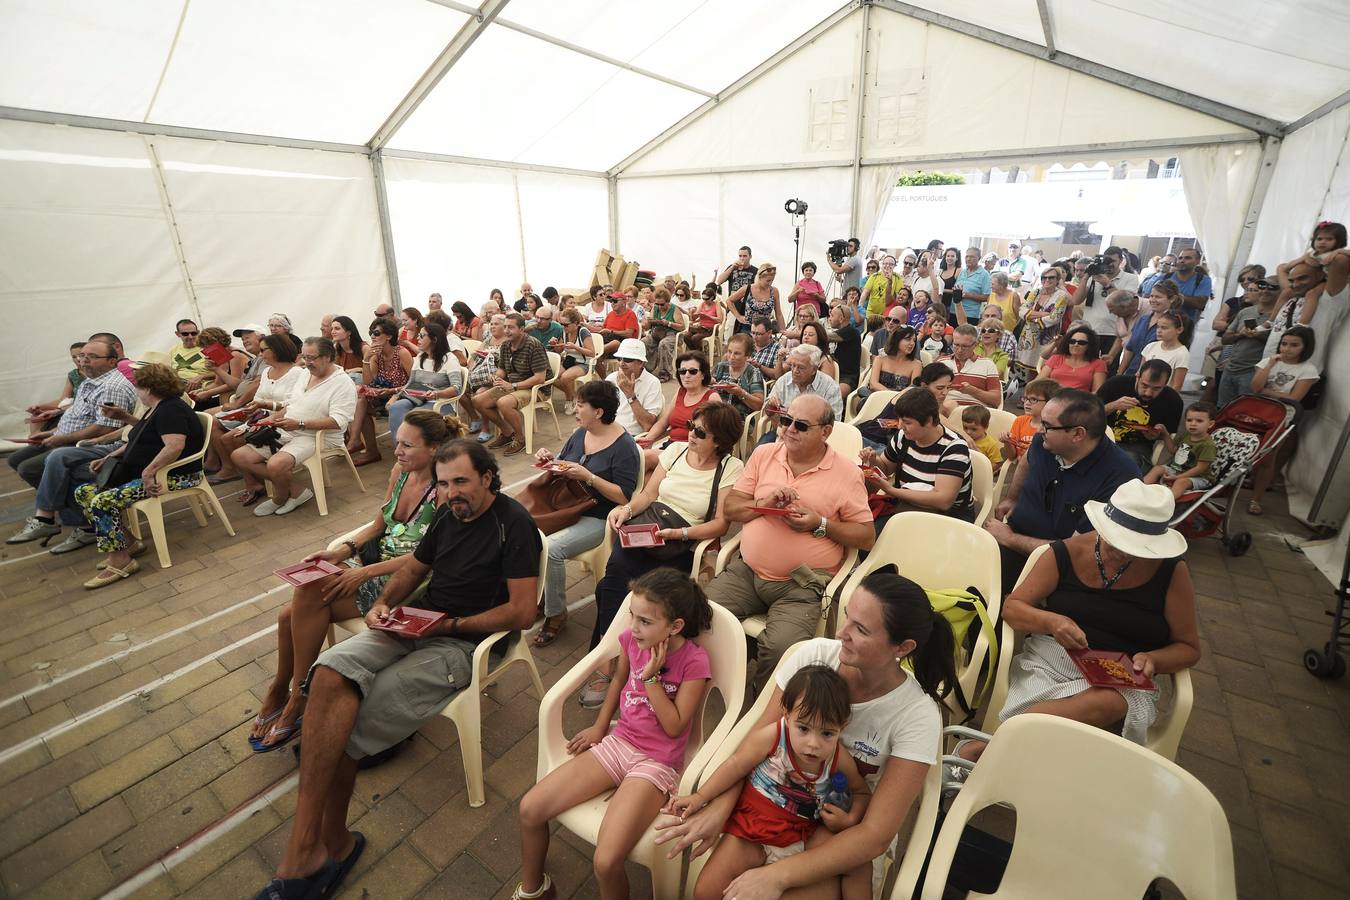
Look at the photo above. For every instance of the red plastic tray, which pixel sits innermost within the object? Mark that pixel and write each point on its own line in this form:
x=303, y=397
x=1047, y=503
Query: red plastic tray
x=305, y=572
x=1103, y=668
x=409, y=621
x=640, y=536
x=773, y=510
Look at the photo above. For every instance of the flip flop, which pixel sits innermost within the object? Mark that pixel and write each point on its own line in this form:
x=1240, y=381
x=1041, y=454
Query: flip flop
x=260, y=720
x=248, y=498
x=287, y=733
x=218, y=479
x=344, y=867
x=311, y=888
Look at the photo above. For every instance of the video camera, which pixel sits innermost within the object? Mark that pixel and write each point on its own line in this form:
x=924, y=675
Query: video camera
x=837, y=251
x=1099, y=265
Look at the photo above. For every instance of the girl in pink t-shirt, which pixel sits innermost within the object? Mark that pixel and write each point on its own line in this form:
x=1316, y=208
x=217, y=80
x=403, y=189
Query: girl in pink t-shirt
x=659, y=682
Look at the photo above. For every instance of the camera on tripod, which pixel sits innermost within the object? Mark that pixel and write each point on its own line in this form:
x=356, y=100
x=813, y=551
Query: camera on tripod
x=837, y=251
x=795, y=207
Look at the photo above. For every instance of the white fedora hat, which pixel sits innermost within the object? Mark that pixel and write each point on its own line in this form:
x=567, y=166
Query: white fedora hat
x=631, y=348
x=1135, y=519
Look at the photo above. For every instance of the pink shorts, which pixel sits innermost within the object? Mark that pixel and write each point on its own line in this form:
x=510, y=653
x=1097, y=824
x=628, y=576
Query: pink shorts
x=621, y=760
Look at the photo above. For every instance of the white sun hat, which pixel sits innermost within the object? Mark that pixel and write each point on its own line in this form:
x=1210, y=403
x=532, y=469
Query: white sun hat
x=1135, y=519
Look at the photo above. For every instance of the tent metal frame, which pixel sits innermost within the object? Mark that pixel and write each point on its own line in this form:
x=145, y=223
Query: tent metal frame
x=1270, y=154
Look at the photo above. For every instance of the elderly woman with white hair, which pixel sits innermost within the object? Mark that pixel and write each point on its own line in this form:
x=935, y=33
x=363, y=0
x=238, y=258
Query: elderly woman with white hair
x=1121, y=587
x=280, y=323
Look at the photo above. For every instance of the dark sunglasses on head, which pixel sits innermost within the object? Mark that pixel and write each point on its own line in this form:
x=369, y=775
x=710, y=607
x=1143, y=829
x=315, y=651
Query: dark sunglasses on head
x=698, y=432
x=801, y=425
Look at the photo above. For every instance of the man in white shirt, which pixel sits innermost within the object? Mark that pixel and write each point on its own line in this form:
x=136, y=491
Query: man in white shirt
x=1093, y=291
x=803, y=376
x=640, y=397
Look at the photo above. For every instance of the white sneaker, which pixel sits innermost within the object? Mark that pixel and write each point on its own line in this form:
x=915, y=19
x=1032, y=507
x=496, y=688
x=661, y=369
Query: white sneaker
x=295, y=502
x=265, y=508
x=569, y=408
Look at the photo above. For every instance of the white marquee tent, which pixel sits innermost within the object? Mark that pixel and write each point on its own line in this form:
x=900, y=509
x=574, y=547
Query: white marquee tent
x=223, y=160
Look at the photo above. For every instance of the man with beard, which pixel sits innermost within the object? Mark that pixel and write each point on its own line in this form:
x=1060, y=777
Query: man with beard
x=371, y=691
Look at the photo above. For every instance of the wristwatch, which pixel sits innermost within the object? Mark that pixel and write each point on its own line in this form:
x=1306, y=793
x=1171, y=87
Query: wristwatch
x=302, y=424
x=820, y=529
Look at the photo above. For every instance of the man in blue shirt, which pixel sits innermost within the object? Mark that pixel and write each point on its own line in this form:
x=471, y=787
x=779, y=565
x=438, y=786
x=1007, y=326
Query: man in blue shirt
x=1165, y=266
x=1069, y=462
x=1196, y=287
x=975, y=285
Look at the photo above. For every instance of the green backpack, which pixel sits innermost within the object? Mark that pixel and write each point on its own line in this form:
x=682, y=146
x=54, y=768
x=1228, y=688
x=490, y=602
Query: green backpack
x=963, y=609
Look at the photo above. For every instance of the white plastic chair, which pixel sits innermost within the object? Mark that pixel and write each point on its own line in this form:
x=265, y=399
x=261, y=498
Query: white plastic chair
x=1164, y=737
x=754, y=625
x=465, y=709
x=981, y=485
x=846, y=440
x=939, y=552
x=200, y=497
x=726, y=651
x=596, y=560
x=1129, y=818
x=537, y=402
x=872, y=406
x=1000, y=423
x=318, y=475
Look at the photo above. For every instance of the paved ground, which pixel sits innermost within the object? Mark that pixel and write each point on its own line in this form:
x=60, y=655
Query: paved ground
x=123, y=715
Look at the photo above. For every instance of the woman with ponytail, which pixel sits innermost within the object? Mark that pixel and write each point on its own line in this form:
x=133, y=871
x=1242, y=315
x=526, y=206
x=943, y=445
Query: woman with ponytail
x=898, y=659
x=368, y=558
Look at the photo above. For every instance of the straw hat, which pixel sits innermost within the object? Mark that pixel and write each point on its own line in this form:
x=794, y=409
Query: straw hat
x=1135, y=519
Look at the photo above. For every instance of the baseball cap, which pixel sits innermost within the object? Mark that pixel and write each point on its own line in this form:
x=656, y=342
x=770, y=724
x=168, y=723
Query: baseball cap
x=252, y=326
x=631, y=348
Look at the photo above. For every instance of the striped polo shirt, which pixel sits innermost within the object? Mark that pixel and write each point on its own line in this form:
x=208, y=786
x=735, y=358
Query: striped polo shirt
x=948, y=455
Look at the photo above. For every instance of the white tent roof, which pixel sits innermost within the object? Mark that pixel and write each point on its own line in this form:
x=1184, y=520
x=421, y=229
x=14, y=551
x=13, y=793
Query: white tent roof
x=583, y=84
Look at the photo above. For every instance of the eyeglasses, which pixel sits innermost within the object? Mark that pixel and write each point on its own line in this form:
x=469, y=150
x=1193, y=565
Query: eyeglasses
x=1049, y=278
x=188, y=333
x=1026, y=400
x=800, y=424
x=1045, y=427
x=694, y=371
x=698, y=432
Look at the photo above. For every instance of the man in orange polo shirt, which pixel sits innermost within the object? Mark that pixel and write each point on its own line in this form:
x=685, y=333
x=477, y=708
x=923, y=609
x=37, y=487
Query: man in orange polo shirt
x=786, y=561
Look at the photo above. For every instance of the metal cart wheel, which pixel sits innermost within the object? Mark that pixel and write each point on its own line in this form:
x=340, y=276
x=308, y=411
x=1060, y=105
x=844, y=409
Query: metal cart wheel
x=1325, y=663
x=1239, y=543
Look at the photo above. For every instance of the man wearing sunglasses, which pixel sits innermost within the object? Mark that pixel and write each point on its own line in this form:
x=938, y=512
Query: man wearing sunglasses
x=1070, y=461
x=187, y=358
x=786, y=560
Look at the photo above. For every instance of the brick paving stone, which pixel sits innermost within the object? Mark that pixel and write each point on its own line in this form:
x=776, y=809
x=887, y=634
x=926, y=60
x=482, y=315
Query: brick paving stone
x=1247, y=679
x=212, y=860
x=1295, y=885
x=1275, y=774
x=35, y=820
x=1228, y=784
x=1255, y=880
x=141, y=731
x=1298, y=839
x=35, y=724
x=242, y=876
x=177, y=780
x=465, y=878
x=1260, y=722
x=87, y=878
x=449, y=830
x=52, y=853
x=124, y=772
x=141, y=845
x=385, y=825
x=45, y=779
x=1211, y=735
x=398, y=874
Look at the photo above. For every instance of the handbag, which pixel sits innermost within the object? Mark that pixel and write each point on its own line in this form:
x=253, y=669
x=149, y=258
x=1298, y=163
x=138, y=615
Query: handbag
x=663, y=516
x=108, y=476
x=555, y=503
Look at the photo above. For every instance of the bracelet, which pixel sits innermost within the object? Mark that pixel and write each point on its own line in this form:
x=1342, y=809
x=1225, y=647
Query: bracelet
x=591, y=482
x=686, y=533
x=351, y=543
x=454, y=624
x=655, y=679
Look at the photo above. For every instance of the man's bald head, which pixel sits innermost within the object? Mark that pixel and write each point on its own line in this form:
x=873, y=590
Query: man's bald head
x=812, y=408
x=1305, y=276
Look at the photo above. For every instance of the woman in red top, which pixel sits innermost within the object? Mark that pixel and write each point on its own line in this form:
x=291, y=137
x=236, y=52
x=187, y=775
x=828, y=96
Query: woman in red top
x=468, y=326
x=1076, y=362
x=673, y=424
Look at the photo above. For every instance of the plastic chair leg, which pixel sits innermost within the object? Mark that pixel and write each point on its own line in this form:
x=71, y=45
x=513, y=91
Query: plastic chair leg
x=155, y=516
x=315, y=466
x=217, y=508
x=466, y=712
x=355, y=474
x=521, y=653
x=133, y=524
x=557, y=429
x=665, y=874
x=198, y=512
x=527, y=415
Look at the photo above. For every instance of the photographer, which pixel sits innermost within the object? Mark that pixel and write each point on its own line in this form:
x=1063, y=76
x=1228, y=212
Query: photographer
x=1104, y=274
x=849, y=266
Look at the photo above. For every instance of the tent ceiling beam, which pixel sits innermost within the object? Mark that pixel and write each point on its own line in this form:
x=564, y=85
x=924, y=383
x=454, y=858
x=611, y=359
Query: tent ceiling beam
x=1260, y=124
x=393, y=153
x=740, y=83
x=860, y=120
x=177, y=131
x=1331, y=105
x=480, y=19
x=1104, y=151
x=1047, y=28
x=559, y=42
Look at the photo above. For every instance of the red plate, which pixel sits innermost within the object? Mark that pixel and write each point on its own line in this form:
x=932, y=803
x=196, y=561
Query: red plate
x=24, y=440
x=550, y=467
x=640, y=536
x=889, y=423
x=305, y=572
x=409, y=621
x=872, y=472
x=1104, y=668
x=235, y=415
x=773, y=510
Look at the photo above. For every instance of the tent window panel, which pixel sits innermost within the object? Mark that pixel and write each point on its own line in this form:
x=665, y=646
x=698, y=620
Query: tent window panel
x=898, y=120
x=829, y=114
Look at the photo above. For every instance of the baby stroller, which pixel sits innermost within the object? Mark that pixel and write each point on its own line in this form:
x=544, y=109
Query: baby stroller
x=1245, y=431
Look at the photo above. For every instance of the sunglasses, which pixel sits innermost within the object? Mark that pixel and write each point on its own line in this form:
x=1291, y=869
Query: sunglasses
x=188, y=333
x=690, y=371
x=895, y=321
x=698, y=432
x=800, y=424
x=1049, y=278
x=1077, y=341
x=990, y=330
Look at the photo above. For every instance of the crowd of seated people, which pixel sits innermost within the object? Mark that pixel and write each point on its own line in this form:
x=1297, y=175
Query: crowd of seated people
x=1077, y=355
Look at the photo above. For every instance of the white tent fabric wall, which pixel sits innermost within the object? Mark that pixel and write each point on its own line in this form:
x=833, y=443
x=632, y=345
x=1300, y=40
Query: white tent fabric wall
x=462, y=230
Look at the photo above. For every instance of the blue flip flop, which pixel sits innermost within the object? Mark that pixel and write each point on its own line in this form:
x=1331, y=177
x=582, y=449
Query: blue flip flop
x=311, y=888
x=345, y=867
x=260, y=720
x=287, y=733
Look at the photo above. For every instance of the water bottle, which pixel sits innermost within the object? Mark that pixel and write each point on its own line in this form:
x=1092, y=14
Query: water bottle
x=837, y=793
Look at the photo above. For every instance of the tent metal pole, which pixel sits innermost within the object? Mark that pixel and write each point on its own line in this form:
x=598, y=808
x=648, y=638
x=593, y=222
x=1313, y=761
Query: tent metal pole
x=520, y=228
x=567, y=45
x=172, y=221
x=1047, y=27
x=1270, y=154
x=739, y=84
x=861, y=118
x=386, y=229
x=1260, y=124
x=152, y=129
x=391, y=153
x=458, y=46
x=613, y=185
x=1329, y=107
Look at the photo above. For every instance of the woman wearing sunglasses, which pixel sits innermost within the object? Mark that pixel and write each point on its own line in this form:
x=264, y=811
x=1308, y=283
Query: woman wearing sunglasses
x=368, y=558
x=385, y=371
x=695, y=376
x=1076, y=362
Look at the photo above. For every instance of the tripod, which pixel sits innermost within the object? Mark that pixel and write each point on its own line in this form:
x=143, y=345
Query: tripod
x=798, y=226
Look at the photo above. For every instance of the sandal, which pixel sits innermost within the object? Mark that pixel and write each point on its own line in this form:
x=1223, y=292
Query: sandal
x=311, y=887
x=108, y=574
x=549, y=631
x=286, y=733
x=252, y=496
x=1254, y=508
x=260, y=720
x=135, y=548
x=222, y=479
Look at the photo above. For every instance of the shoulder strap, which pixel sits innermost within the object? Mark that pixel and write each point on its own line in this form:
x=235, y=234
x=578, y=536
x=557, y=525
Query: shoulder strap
x=716, y=486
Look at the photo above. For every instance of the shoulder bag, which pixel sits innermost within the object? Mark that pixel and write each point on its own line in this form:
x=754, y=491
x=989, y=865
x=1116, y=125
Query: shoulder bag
x=663, y=516
x=555, y=502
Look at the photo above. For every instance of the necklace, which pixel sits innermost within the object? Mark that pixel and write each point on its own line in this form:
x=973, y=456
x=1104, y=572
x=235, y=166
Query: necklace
x=1107, y=583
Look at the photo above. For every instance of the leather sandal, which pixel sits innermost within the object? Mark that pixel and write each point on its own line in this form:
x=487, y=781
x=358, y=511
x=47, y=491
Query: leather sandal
x=108, y=574
x=549, y=631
